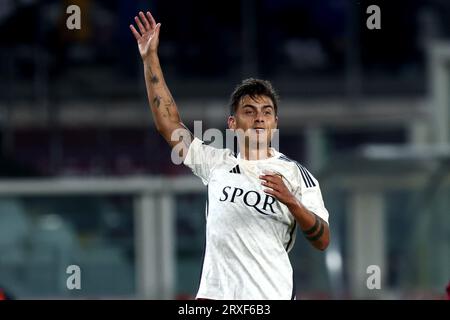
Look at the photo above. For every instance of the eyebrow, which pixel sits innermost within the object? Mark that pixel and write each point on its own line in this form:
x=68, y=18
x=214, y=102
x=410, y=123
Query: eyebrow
x=254, y=107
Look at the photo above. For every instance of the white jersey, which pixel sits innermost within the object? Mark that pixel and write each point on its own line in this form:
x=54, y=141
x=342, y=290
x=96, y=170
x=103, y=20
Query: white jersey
x=248, y=232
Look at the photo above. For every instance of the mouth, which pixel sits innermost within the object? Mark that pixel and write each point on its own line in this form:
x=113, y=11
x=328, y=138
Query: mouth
x=259, y=130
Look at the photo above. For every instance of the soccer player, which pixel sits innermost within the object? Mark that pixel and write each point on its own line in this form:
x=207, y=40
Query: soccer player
x=255, y=198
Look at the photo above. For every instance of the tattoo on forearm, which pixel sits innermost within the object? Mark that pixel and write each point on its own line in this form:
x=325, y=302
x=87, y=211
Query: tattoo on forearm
x=318, y=225
x=153, y=78
x=157, y=101
x=314, y=227
x=318, y=235
x=169, y=103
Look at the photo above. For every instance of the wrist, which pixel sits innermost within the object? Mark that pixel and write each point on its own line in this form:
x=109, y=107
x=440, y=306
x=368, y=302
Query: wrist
x=150, y=58
x=292, y=204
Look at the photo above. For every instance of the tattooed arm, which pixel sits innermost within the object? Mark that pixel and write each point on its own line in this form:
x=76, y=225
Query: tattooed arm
x=163, y=107
x=314, y=228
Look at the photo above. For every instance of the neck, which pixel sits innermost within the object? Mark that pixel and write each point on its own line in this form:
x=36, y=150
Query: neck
x=256, y=154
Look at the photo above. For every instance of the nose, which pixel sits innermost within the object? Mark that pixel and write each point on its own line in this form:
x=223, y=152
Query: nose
x=259, y=117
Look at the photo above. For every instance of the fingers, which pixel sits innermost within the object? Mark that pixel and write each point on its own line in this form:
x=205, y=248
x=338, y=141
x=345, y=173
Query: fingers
x=271, y=178
x=152, y=21
x=157, y=28
x=135, y=33
x=272, y=193
x=139, y=24
x=272, y=185
x=144, y=21
x=145, y=24
x=273, y=181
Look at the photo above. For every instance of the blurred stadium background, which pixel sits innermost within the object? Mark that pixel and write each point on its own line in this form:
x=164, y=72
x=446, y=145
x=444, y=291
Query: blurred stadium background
x=86, y=180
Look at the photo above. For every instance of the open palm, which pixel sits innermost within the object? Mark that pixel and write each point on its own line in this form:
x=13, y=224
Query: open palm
x=148, y=36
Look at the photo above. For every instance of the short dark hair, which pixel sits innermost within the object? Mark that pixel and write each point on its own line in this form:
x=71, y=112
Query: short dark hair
x=253, y=87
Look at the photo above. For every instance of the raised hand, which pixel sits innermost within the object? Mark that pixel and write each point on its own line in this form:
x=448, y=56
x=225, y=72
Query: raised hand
x=148, y=36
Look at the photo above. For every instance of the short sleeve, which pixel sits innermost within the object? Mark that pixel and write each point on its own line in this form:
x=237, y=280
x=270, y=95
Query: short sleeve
x=310, y=195
x=201, y=159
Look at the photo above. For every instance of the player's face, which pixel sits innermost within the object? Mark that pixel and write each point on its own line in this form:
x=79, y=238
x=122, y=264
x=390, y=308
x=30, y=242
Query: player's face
x=255, y=117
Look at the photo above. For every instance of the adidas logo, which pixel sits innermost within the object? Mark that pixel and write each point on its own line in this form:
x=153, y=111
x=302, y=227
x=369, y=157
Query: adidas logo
x=235, y=170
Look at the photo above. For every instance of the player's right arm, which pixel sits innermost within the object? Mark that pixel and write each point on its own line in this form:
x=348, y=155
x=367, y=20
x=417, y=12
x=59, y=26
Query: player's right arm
x=164, y=109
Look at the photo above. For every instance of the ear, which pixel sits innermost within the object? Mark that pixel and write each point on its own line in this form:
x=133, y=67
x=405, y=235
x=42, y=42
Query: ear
x=231, y=122
x=276, y=122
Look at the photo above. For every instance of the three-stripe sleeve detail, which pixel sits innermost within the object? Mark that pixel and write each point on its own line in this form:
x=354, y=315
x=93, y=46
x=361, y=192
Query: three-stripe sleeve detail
x=305, y=173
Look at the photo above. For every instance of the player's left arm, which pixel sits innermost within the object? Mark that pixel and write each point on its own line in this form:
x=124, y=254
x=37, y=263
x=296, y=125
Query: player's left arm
x=314, y=228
